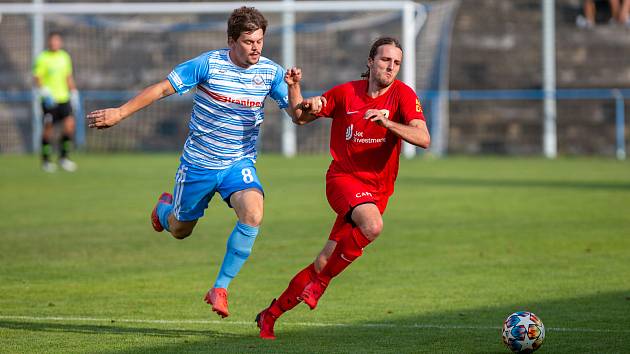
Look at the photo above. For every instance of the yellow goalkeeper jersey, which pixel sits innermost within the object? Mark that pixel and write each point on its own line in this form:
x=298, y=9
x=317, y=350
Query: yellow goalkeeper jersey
x=53, y=69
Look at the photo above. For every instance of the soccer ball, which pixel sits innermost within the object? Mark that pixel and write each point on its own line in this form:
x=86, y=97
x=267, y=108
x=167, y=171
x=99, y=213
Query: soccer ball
x=523, y=332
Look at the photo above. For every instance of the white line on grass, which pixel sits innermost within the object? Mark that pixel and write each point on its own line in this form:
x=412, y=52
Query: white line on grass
x=299, y=324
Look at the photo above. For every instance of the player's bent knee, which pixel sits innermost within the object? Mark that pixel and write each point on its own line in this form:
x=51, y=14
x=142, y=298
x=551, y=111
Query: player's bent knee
x=372, y=228
x=181, y=231
x=248, y=205
x=181, y=234
x=253, y=218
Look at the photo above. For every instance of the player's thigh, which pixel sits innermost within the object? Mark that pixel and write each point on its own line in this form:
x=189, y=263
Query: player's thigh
x=248, y=206
x=48, y=119
x=242, y=190
x=59, y=113
x=345, y=192
x=65, y=110
x=193, y=190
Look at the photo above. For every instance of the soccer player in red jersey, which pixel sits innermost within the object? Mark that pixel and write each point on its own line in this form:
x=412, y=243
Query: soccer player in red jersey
x=370, y=118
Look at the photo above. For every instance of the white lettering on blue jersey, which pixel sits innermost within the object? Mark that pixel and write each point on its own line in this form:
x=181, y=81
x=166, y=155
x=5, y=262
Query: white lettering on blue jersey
x=228, y=106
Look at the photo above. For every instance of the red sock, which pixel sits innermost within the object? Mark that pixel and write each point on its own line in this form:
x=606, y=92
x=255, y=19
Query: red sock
x=347, y=250
x=290, y=297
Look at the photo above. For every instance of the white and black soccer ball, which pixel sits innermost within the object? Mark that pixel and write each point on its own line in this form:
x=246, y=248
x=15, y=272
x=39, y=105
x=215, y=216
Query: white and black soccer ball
x=523, y=332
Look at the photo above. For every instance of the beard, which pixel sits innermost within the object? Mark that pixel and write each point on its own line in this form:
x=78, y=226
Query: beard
x=383, y=81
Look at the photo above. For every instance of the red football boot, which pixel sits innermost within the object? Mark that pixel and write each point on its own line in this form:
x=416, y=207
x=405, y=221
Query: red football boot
x=312, y=292
x=217, y=297
x=265, y=321
x=166, y=198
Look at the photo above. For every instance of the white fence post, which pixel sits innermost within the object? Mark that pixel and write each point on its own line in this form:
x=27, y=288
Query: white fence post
x=409, y=60
x=37, y=45
x=289, y=137
x=550, y=143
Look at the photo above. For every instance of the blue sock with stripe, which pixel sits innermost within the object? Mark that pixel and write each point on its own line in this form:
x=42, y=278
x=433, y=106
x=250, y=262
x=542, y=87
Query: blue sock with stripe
x=163, y=211
x=239, y=247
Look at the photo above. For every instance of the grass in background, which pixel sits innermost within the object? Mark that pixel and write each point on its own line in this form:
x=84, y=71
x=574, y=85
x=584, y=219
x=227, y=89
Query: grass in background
x=467, y=241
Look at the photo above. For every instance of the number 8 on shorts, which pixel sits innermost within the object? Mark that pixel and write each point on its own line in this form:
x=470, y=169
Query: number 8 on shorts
x=247, y=175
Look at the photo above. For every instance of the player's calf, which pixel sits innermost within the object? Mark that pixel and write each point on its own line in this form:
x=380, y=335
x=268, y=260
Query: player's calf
x=348, y=249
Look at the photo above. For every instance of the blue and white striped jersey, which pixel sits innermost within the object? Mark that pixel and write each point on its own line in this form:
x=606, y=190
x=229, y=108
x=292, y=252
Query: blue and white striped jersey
x=228, y=106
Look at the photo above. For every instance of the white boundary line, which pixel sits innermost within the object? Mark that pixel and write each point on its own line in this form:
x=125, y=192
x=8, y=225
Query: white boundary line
x=298, y=324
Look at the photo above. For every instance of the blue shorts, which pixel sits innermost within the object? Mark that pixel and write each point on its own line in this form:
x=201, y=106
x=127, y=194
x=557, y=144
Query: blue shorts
x=195, y=186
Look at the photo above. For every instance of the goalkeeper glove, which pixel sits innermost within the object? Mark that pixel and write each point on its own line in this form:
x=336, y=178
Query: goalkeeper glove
x=47, y=98
x=75, y=100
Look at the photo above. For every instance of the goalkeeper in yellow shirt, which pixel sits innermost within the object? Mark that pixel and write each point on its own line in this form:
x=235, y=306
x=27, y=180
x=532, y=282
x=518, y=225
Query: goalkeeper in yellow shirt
x=57, y=90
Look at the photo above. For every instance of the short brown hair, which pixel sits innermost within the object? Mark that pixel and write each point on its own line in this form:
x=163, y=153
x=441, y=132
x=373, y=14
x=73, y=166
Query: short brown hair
x=379, y=42
x=245, y=19
x=53, y=33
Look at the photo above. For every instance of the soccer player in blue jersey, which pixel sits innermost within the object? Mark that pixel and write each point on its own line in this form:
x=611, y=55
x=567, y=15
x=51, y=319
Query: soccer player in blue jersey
x=220, y=151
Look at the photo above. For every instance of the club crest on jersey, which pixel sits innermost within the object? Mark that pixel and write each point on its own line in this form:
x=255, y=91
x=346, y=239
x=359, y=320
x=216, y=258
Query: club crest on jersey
x=258, y=80
x=349, y=132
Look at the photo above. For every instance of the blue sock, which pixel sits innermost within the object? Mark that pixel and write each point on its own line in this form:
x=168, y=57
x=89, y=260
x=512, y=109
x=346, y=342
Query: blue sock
x=163, y=211
x=239, y=246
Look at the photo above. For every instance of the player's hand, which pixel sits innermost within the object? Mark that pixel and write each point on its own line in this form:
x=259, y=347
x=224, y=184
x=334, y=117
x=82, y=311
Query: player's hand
x=293, y=76
x=47, y=98
x=380, y=117
x=104, y=118
x=313, y=105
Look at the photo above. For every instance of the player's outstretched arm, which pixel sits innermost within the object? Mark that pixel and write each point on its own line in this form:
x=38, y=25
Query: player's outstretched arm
x=415, y=132
x=105, y=118
x=301, y=110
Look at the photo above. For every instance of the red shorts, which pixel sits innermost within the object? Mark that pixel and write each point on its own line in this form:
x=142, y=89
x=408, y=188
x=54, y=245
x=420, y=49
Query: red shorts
x=344, y=193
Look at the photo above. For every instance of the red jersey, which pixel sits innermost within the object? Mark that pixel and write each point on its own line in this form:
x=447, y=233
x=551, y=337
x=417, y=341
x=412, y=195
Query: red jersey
x=360, y=147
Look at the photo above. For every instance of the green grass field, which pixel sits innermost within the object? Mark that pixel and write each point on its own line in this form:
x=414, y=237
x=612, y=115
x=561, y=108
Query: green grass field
x=466, y=242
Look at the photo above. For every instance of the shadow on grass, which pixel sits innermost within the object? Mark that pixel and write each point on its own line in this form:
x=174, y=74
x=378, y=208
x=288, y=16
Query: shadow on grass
x=473, y=182
x=40, y=326
x=593, y=324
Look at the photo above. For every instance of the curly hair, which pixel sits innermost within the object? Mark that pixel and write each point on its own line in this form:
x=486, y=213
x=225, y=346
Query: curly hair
x=245, y=19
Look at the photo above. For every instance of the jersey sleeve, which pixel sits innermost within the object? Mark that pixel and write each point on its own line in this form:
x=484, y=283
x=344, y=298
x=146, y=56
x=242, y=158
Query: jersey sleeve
x=189, y=73
x=279, y=89
x=331, y=97
x=410, y=106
